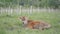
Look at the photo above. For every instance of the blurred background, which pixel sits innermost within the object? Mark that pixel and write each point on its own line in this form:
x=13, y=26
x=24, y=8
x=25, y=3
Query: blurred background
x=19, y=6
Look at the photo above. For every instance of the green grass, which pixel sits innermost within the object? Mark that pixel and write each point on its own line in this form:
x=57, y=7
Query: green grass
x=10, y=24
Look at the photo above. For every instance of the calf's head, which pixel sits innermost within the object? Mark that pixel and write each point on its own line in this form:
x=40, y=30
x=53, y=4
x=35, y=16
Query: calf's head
x=24, y=19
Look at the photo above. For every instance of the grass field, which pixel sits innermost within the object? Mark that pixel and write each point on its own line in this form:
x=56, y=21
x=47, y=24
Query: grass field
x=10, y=24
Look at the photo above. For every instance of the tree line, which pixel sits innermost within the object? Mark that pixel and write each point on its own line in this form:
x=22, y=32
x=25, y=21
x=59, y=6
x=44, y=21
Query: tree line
x=28, y=3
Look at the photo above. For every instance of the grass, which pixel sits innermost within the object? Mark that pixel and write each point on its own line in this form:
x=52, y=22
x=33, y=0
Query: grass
x=10, y=24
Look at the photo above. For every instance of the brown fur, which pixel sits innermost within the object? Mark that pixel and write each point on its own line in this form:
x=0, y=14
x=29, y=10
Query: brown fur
x=35, y=24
